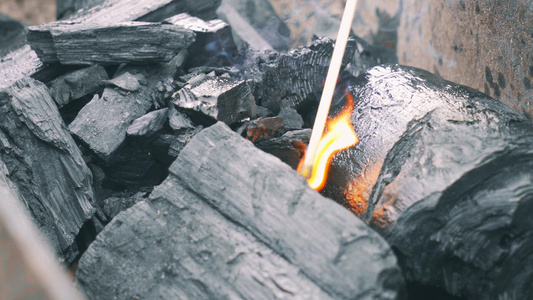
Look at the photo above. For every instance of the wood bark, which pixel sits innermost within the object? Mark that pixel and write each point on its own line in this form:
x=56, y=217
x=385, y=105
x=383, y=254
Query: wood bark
x=45, y=164
x=231, y=221
x=443, y=172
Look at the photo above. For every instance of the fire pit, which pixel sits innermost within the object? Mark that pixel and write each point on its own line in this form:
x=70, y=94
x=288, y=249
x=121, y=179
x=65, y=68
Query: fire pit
x=155, y=146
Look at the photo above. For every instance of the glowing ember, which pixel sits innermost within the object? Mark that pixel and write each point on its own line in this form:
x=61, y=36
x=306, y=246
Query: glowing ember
x=339, y=136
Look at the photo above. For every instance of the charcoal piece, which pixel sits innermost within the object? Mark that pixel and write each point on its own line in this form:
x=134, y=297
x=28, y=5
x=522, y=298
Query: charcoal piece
x=292, y=120
x=102, y=124
x=214, y=44
x=77, y=84
x=128, y=81
x=22, y=275
x=18, y=64
x=45, y=164
x=222, y=99
x=443, y=172
x=289, y=147
x=266, y=235
x=256, y=23
x=263, y=129
x=127, y=42
x=181, y=140
x=178, y=120
x=148, y=124
x=115, y=205
x=12, y=34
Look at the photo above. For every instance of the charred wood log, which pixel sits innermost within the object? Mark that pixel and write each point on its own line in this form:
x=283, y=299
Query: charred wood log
x=128, y=42
x=44, y=163
x=214, y=44
x=444, y=173
x=223, y=99
x=77, y=84
x=266, y=235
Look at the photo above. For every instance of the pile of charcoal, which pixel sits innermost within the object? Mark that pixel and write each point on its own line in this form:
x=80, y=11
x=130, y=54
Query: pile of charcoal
x=155, y=145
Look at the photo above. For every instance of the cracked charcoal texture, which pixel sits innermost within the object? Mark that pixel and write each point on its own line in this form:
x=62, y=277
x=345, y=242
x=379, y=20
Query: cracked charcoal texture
x=266, y=235
x=24, y=61
x=45, y=164
x=127, y=42
x=443, y=172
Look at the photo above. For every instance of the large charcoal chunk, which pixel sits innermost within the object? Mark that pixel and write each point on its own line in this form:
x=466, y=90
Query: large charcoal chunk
x=444, y=173
x=223, y=99
x=45, y=164
x=266, y=235
x=77, y=84
x=214, y=44
x=128, y=42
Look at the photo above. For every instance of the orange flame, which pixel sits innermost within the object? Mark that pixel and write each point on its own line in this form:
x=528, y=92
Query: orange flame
x=339, y=135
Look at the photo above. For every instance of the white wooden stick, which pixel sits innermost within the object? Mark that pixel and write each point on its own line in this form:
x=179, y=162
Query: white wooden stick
x=329, y=87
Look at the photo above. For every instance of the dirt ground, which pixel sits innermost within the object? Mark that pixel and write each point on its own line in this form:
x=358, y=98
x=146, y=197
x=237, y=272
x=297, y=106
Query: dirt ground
x=29, y=11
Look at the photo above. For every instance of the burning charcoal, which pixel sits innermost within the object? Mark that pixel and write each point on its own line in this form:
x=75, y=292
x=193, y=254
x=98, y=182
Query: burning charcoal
x=29, y=268
x=444, y=173
x=292, y=120
x=264, y=129
x=282, y=239
x=290, y=147
x=148, y=124
x=256, y=23
x=79, y=44
x=214, y=44
x=44, y=163
x=222, y=99
x=115, y=205
x=77, y=84
x=12, y=34
x=178, y=120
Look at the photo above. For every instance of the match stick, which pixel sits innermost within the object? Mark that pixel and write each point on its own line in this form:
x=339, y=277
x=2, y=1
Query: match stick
x=329, y=87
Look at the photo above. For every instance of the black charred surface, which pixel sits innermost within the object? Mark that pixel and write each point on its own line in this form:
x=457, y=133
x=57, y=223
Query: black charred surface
x=289, y=147
x=102, y=124
x=263, y=129
x=219, y=98
x=44, y=163
x=127, y=42
x=255, y=22
x=214, y=45
x=77, y=84
x=444, y=173
x=265, y=235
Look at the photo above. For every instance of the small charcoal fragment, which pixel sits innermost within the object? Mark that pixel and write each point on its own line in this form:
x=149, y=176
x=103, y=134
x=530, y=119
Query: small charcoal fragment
x=77, y=84
x=178, y=120
x=149, y=124
x=292, y=120
x=223, y=99
x=289, y=147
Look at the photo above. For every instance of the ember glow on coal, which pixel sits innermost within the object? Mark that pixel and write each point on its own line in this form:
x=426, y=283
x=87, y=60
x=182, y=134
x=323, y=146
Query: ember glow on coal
x=339, y=135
